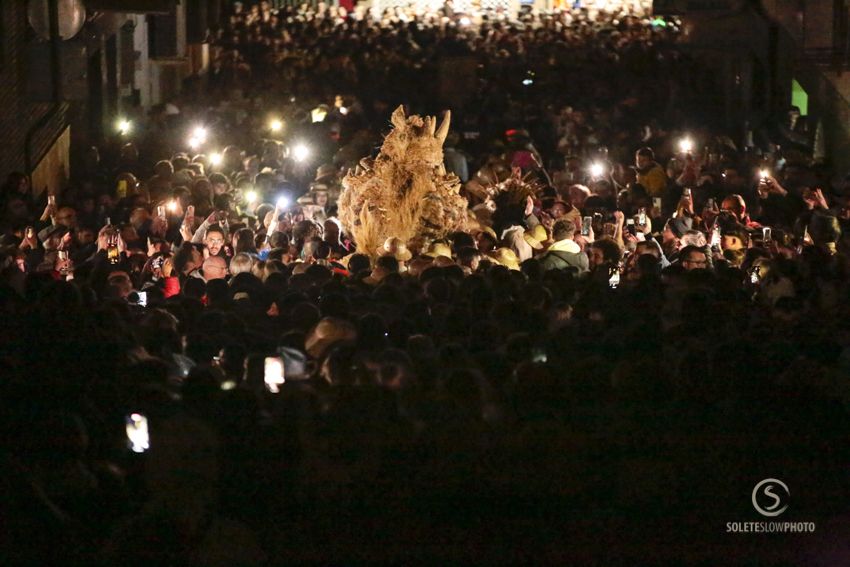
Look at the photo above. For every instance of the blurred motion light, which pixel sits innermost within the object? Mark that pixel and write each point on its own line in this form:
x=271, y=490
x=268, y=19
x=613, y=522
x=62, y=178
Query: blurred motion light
x=300, y=152
x=597, y=169
x=318, y=114
x=124, y=126
x=200, y=133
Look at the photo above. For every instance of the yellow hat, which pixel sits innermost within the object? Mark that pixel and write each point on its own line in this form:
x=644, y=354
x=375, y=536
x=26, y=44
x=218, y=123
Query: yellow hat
x=438, y=249
x=378, y=274
x=394, y=246
x=536, y=236
x=505, y=257
x=489, y=230
x=327, y=332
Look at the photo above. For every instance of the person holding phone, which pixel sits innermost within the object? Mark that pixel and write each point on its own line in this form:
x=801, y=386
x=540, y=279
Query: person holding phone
x=649, y=173
x=735, y=205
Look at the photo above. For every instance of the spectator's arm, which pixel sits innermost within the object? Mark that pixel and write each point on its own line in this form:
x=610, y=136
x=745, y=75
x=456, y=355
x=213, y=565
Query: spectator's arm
x=619, y=219
x=171, y=282
x=198, y=236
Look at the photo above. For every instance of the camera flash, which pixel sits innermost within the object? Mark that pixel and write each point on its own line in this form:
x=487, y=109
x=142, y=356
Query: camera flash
x=597, y=169
x=300, y=152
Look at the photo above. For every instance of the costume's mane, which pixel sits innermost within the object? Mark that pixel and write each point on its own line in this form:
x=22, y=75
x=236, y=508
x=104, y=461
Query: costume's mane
x=405, y=191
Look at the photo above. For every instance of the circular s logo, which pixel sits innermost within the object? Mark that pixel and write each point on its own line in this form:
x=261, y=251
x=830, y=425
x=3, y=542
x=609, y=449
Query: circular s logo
x=769, y=496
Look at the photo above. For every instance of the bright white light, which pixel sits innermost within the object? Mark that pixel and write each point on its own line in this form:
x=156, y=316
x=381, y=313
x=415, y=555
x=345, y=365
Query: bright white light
x=200, y=133
x=464, y=21
x=216, y=159
x=343, y=110
x=275, y=125
x=274, y=374
x=282, y=202
x=172, y=205
x=527, y=82
x=686, y=145
x=597, y=169
x=300, y=152
x=137, y=433
x=764, y=174
x=194, y=143
x=318, y=114
x=251, y=197
x=124, y=126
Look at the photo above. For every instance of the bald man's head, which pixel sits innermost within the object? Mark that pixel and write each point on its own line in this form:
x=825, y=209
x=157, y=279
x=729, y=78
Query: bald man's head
x=215, y=268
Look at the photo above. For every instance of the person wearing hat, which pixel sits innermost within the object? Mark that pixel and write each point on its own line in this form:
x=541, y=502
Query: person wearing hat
x=320, y=202
x=564, y=252
x=510, y=222
x=327, y=332
x=438, y=248
x=327, y=175
x=505, y=257
x=396, y=248
x=486, y=239
x=536, y=237
x=310, y=207
x=384, y=266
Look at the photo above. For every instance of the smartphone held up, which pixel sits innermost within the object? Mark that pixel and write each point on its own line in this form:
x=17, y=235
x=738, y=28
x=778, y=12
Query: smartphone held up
x=138, y=436
x=273, y=373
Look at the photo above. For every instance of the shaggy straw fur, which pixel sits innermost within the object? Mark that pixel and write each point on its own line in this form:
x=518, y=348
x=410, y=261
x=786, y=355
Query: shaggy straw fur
x=405, y=192
x=516, y=187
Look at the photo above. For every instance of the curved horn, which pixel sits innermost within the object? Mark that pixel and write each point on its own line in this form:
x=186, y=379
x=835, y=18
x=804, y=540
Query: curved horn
x=431, y=123
x=443, y=130
x=398, y=118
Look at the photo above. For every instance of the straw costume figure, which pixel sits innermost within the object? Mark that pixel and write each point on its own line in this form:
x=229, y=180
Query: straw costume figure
x=405, y=192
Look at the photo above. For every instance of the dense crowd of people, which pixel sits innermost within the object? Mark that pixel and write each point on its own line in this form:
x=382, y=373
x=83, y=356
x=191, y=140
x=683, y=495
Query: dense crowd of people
x=200, y=366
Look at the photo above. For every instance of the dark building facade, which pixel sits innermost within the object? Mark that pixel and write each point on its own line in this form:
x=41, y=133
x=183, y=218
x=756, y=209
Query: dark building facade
x=29, y=127
x=128, y=56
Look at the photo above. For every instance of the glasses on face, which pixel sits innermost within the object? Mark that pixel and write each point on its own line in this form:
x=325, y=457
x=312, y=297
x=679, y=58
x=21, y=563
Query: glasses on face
x=218, y=241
